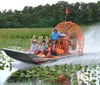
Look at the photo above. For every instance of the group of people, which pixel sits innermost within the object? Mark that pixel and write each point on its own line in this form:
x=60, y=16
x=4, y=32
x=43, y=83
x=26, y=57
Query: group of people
x=47, y=46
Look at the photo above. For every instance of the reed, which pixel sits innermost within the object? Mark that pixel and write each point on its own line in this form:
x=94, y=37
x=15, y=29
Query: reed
x=21, y=37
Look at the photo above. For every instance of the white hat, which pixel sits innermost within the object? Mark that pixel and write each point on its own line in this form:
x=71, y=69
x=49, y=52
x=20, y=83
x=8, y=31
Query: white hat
x=34, y=40
x=62, y=35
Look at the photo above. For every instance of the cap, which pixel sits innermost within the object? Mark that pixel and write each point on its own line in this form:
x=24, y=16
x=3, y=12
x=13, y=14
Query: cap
x=43, y=41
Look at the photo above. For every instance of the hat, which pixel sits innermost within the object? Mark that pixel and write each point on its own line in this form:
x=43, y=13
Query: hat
x=62, y=35
x=55, y=29
x=34, y=40
x=43, y=41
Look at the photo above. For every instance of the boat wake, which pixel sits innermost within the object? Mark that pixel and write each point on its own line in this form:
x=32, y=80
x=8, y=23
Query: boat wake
x=85, y=59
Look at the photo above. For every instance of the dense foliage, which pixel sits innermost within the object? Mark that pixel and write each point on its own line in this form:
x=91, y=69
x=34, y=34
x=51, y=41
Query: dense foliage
x=50, y=15
x=52, y=73
x=45, y=72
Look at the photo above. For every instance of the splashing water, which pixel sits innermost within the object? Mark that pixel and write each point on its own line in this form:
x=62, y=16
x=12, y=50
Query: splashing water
x=16, y=65
x=4, y=74
x=92, y=39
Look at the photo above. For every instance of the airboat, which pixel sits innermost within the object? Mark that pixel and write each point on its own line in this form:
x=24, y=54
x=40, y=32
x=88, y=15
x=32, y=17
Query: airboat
x=70, y=30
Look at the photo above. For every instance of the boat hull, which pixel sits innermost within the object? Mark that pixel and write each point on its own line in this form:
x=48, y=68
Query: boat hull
x=26, y=57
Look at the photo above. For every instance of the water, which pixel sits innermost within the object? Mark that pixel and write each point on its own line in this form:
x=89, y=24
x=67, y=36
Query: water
x=4, y=74
x=92, y=39
x=91, y=54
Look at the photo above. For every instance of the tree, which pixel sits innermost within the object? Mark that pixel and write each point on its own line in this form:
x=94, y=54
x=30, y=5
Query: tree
x=50, y=15
x=98, y=12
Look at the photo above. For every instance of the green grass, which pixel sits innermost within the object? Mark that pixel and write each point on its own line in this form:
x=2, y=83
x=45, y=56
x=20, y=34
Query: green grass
x=24, y=32
x=21, y=37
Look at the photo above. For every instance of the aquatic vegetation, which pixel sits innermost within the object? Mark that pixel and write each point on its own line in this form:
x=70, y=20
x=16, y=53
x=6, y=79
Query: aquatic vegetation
x=4, y=62
x=49, y=73
x=89, y=74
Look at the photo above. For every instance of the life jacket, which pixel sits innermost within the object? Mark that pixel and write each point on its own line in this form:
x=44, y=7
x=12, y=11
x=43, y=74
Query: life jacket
x=60, y=47
x=59, y=51
x=50, y=48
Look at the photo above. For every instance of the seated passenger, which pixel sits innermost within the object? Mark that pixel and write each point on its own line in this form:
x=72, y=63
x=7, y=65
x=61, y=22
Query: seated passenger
x=43, y=49
x=55, y=35
x=34, y=46
x=50, y=47
x=53, y=50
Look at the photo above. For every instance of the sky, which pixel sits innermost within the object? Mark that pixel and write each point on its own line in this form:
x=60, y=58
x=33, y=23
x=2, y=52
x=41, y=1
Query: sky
x=20, y=4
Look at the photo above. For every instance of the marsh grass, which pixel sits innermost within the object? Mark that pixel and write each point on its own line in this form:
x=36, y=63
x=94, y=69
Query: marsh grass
x=21, y=37
x=24, y=32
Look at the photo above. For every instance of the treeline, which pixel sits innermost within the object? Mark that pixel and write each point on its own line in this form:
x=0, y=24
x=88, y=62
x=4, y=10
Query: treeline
x=50, y=15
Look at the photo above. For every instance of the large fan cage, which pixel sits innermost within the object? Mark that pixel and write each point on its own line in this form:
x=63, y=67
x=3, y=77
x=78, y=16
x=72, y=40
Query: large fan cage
x=73, y=33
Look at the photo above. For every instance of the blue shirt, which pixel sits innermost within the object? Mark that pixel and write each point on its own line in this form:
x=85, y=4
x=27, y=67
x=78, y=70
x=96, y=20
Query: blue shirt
x=55, y=35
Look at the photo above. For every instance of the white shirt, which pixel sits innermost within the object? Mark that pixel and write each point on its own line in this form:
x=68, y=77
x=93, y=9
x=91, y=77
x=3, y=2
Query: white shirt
x=33, y=47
